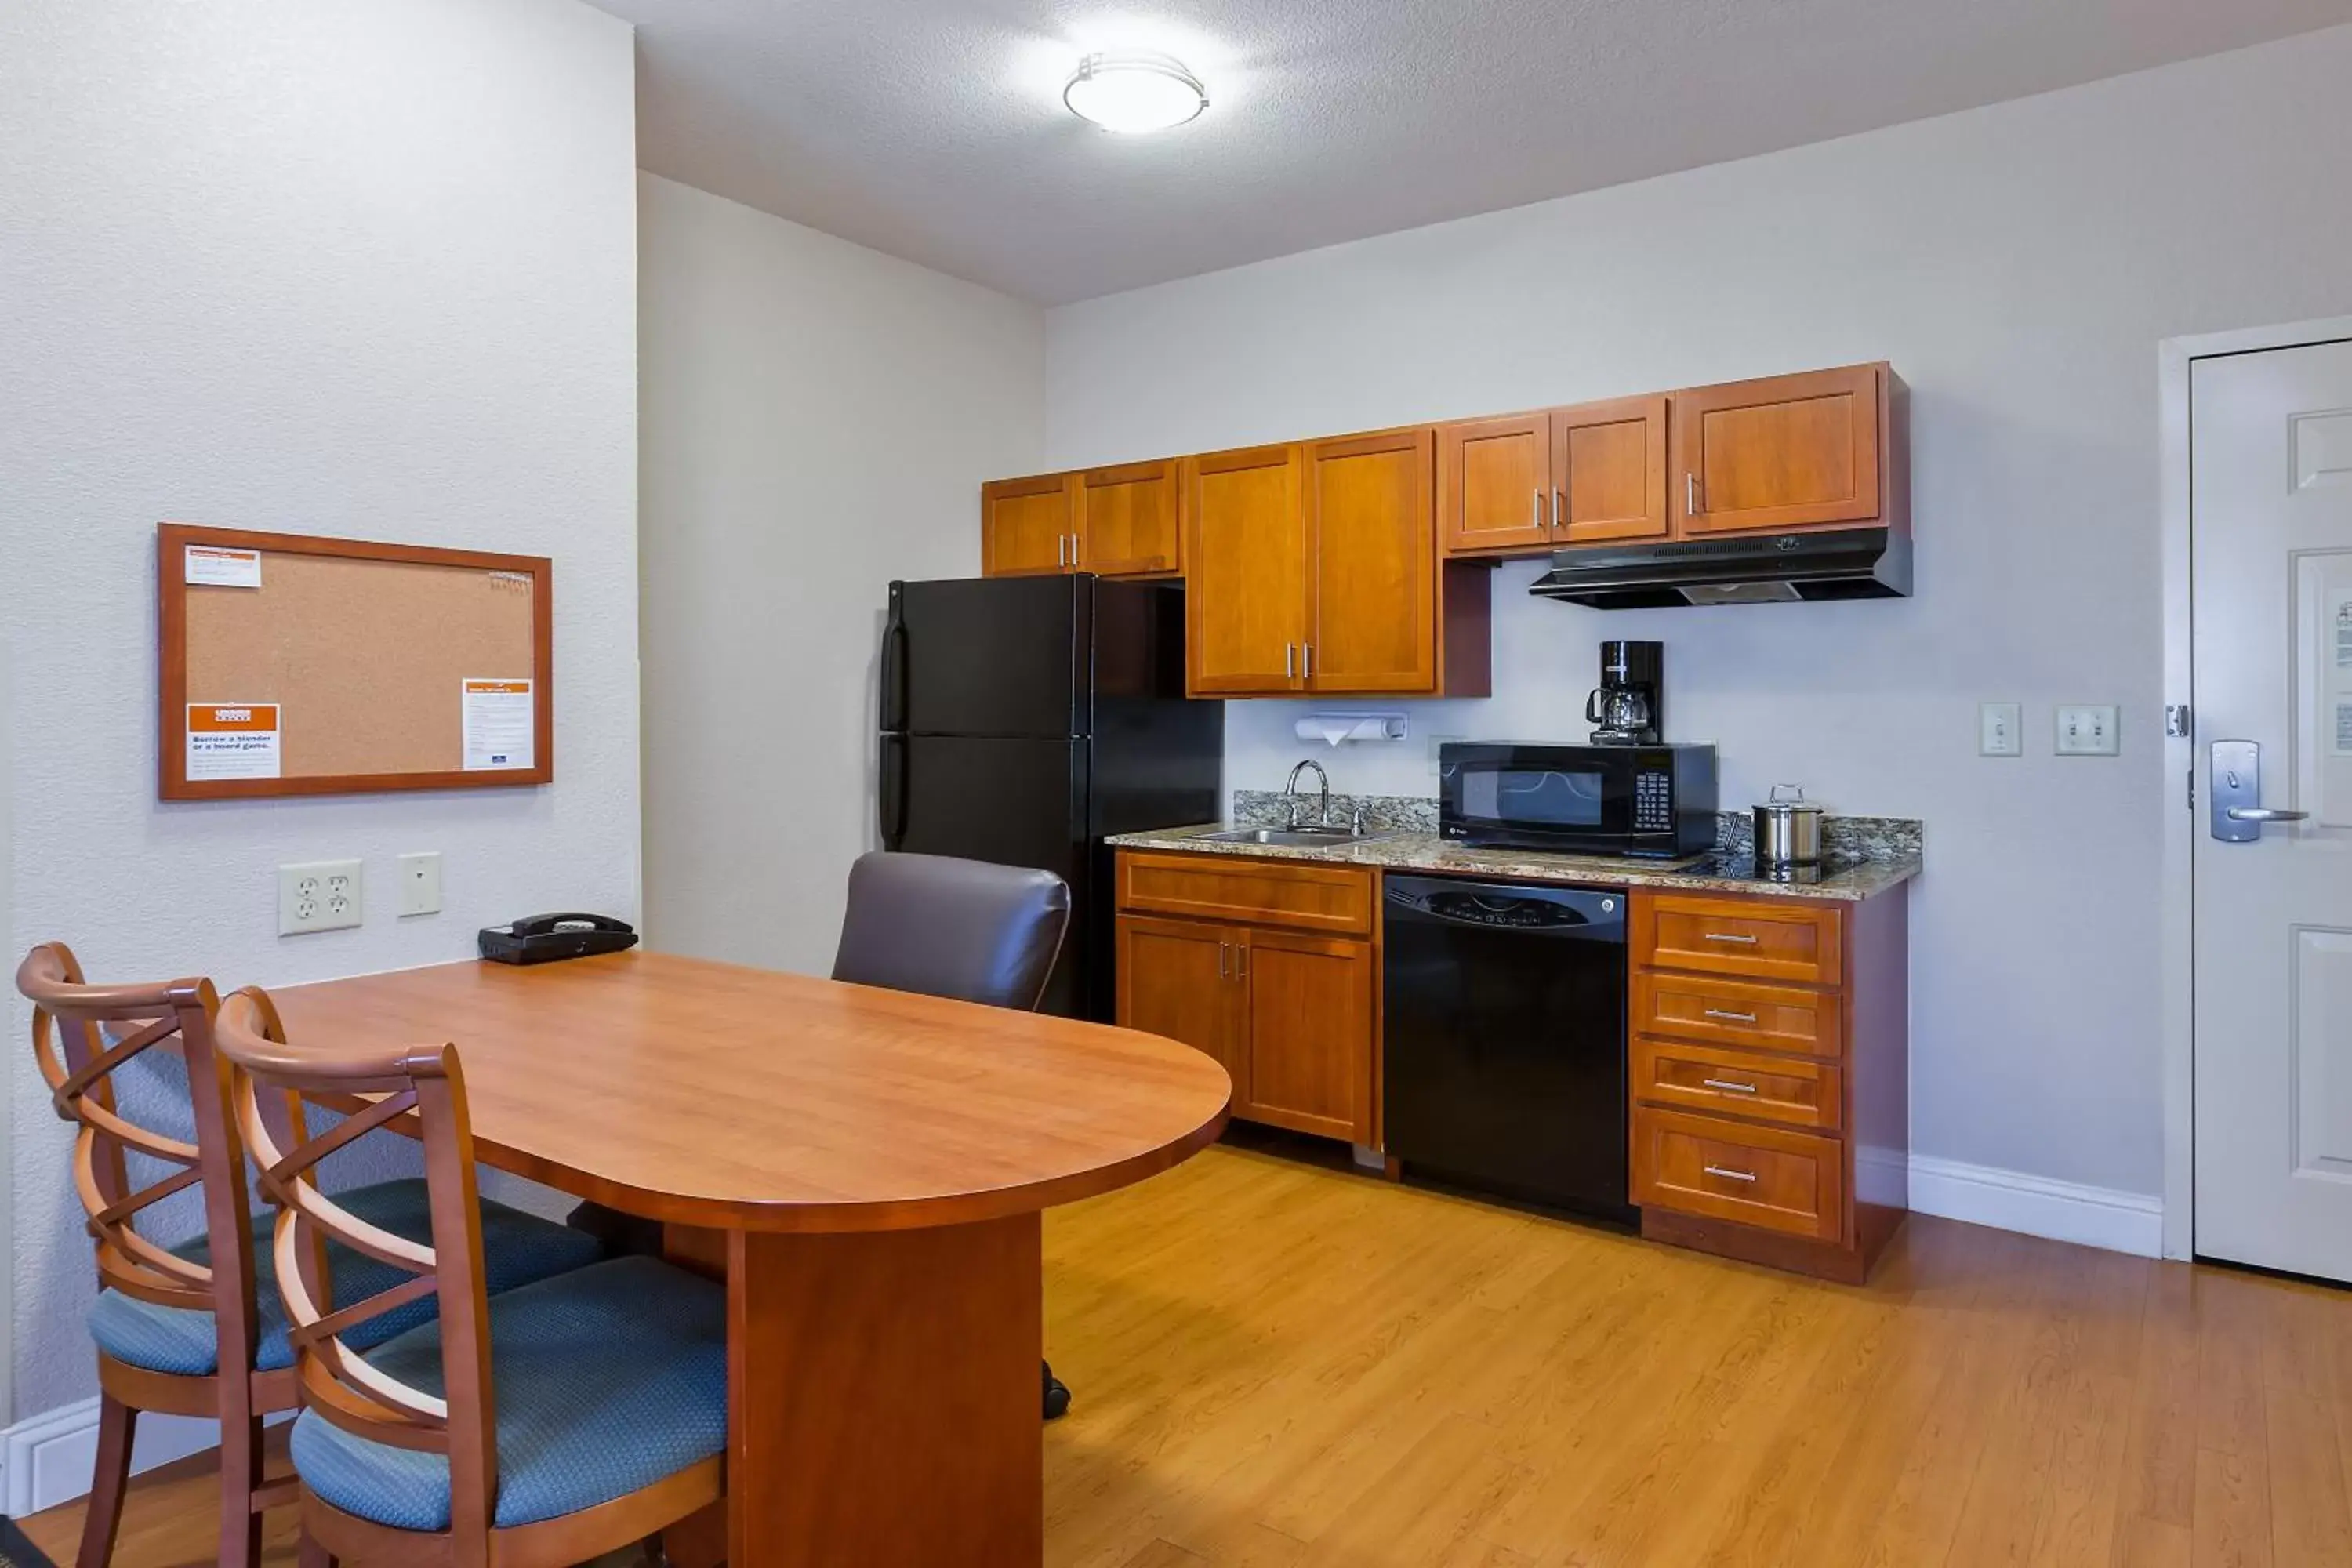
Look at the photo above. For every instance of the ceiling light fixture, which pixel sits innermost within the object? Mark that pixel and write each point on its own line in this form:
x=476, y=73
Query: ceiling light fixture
x=1134, y=90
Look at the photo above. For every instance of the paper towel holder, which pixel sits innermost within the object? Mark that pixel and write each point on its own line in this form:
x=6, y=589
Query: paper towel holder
x=1338, y=729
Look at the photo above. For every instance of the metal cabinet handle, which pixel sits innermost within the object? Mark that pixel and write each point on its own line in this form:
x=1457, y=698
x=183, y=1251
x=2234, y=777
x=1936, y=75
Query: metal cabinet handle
x=1734, y=1088
x=1731, y=1175
x=1224, y=958
x=1731, y=1017
x=1729, y=936
x=2266, y=814
x=1290, y=661
x=1555, y=510
x=1077, y=549
x=1061, y=550
x=1690, y=495
x=1535, y=512
x=1307, y=661
x=1241, y=963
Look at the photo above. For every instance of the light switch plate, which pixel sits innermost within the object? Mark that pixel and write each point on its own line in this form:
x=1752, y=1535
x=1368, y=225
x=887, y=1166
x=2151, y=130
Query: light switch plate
x=319, y=895
x=420, y=883
x=2087, y=730
x=2000, y=729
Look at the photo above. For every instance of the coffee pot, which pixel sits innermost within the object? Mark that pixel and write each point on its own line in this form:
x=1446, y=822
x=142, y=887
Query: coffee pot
x=1628, y=706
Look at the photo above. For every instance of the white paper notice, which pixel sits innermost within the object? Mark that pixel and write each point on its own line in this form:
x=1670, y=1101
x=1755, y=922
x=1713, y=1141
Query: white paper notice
x=2343, y=729
x=233, y=741
x=501, y=722
x=218, y=568
x=2343, y=638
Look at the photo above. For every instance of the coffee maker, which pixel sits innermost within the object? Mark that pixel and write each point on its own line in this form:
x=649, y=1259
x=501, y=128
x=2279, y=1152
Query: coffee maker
x=1630, y=705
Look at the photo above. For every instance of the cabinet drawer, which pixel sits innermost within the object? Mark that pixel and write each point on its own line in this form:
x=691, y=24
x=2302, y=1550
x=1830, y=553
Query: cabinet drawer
x=1709, y=1078
x=1308, y=897
x=1737, y=1013
x=1757, y=938
x=1789, y=1182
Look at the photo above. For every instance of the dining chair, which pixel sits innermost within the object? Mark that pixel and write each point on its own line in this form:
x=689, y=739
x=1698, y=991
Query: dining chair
x=534, y=1429
x=965, y=930
x=196, y=1328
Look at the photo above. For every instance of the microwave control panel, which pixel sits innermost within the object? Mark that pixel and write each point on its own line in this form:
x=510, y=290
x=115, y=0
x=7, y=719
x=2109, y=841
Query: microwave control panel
x=1653, y=801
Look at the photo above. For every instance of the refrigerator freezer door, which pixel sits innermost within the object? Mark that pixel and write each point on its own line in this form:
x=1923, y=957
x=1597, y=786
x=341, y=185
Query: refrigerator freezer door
x=998, y=656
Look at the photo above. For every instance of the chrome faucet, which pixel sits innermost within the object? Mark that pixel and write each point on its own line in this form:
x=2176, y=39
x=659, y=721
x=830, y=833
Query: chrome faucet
x=1291, y=795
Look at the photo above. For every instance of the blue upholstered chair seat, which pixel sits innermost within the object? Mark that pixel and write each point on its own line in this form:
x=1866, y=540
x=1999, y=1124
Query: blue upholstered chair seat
x=518, y=1248
x=606, y=1380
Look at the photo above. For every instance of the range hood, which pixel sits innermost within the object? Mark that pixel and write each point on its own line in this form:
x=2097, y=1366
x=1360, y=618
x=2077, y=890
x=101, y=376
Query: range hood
x=1760, y=569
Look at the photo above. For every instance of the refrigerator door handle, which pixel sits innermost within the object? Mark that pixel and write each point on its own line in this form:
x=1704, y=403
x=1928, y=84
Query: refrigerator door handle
x=891, y=792
x=894, y=668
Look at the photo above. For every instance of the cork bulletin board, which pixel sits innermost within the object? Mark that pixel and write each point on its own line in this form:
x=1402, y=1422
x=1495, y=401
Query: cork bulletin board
x=293, y=665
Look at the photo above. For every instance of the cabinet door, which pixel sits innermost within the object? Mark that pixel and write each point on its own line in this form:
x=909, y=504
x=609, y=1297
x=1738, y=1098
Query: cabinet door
x=1182, y=979
x=1609, y=470
x=1246, y=572
x=1127, y=522
x=1026, y=525
x=1374, y=549
x=1311, y=1033
x=1493, y=486
x=1791, y=451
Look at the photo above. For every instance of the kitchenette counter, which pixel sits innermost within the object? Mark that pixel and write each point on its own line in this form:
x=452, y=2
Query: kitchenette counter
x=1845, y=877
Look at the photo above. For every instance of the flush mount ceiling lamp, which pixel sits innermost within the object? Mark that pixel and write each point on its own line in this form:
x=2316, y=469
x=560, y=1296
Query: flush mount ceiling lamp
x=1134, y=90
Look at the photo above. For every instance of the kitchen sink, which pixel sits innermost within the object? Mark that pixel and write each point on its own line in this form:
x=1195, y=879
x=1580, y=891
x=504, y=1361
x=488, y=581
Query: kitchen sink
x=1293, y=837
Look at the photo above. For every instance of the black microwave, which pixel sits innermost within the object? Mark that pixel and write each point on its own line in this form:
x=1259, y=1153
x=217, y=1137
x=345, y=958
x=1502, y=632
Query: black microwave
x=1656, y=801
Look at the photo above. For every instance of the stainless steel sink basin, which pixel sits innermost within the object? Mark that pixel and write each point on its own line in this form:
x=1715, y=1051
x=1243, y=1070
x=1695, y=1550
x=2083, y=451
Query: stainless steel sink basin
x=1293, y=837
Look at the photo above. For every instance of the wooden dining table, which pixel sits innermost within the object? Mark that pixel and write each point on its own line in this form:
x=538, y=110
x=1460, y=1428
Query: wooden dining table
x=868, y=1169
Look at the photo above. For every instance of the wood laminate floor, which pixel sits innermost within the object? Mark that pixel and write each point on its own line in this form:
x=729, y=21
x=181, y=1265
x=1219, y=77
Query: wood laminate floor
x=1280, y=1367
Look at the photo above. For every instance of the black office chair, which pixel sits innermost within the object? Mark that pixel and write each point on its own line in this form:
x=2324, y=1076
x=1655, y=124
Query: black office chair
x=960, y=929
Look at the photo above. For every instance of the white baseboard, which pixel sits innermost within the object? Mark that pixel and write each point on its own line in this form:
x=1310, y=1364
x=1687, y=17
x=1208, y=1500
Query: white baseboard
x=2037, y=1205
x=48, y=1458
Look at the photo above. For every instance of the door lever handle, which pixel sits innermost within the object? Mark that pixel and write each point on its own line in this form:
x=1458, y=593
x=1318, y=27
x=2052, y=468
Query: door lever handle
x=2266, y=814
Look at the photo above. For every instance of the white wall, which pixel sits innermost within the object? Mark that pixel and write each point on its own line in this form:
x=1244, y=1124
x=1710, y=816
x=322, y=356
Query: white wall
x=818, y=419
x=2018, y=265
x=345, y=267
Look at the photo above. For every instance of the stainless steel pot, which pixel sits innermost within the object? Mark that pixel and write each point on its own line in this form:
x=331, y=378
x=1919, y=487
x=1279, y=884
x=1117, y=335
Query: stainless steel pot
x=1787, y=829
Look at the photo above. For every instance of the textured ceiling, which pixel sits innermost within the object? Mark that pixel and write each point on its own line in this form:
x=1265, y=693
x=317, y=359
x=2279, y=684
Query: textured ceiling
x=934, y=129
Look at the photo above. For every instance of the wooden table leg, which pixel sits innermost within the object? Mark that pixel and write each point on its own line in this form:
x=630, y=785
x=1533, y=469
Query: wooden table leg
x=883, y=1398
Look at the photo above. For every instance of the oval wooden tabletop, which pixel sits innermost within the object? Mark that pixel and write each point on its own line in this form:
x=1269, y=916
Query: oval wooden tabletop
x=713, y=1095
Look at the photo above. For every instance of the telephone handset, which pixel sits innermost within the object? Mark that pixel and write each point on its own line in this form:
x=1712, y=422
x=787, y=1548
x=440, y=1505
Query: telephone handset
x=542, y=939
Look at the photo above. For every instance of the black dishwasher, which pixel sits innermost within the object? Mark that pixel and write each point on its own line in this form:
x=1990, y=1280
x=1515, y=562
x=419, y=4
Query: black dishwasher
x=1504, y=1039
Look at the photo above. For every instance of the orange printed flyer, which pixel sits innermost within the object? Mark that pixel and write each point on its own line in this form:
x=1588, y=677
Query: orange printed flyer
x=233, y=741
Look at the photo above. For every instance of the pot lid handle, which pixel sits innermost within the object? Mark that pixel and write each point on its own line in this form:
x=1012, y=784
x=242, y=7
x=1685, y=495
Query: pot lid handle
x=1796, y=794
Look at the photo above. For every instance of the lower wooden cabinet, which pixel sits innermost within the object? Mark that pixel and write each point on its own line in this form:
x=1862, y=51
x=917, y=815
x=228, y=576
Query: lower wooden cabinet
x=1770, y=1080
x=1310, y=1033
x=1176, y=979
x=1290, y=1013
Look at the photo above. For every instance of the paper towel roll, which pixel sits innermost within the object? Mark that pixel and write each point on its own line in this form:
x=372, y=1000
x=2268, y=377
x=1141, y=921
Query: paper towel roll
x=1336, y=729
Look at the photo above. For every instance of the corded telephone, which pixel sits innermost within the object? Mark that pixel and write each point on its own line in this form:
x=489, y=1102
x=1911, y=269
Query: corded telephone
x=540, y=939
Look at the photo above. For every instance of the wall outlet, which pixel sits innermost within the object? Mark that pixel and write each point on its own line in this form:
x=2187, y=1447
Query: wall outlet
x=2088, y=731
x=2000, y=729
x=320, y=895
x=420, y=883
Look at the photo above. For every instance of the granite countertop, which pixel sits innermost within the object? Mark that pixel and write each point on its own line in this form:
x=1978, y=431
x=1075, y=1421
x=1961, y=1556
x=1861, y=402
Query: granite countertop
x=1847, y=879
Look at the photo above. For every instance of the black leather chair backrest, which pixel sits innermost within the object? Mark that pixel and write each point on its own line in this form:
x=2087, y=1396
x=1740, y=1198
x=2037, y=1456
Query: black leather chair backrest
x=945, y=927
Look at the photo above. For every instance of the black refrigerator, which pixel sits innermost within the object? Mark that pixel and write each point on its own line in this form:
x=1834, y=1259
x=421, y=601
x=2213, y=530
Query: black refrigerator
x=1023, y=719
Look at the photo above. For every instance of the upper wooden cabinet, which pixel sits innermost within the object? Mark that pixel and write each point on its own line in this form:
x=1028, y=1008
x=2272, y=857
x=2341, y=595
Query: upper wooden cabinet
x=1026, y=525
x=1820, y=450
x=1314, y=568
x=1536, y=482
x=1245, y=571
x=1372, y=582
x=1119, y=521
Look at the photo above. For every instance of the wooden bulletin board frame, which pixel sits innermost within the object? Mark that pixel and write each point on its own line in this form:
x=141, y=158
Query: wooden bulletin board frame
x=172, y=540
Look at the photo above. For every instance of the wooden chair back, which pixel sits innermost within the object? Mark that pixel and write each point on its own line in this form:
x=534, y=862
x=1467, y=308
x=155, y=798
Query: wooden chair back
x=82, y=1036
x=269, y=1081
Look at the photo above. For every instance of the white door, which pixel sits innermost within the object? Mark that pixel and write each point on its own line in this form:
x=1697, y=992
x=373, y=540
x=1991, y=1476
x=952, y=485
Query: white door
x=2271, y=438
